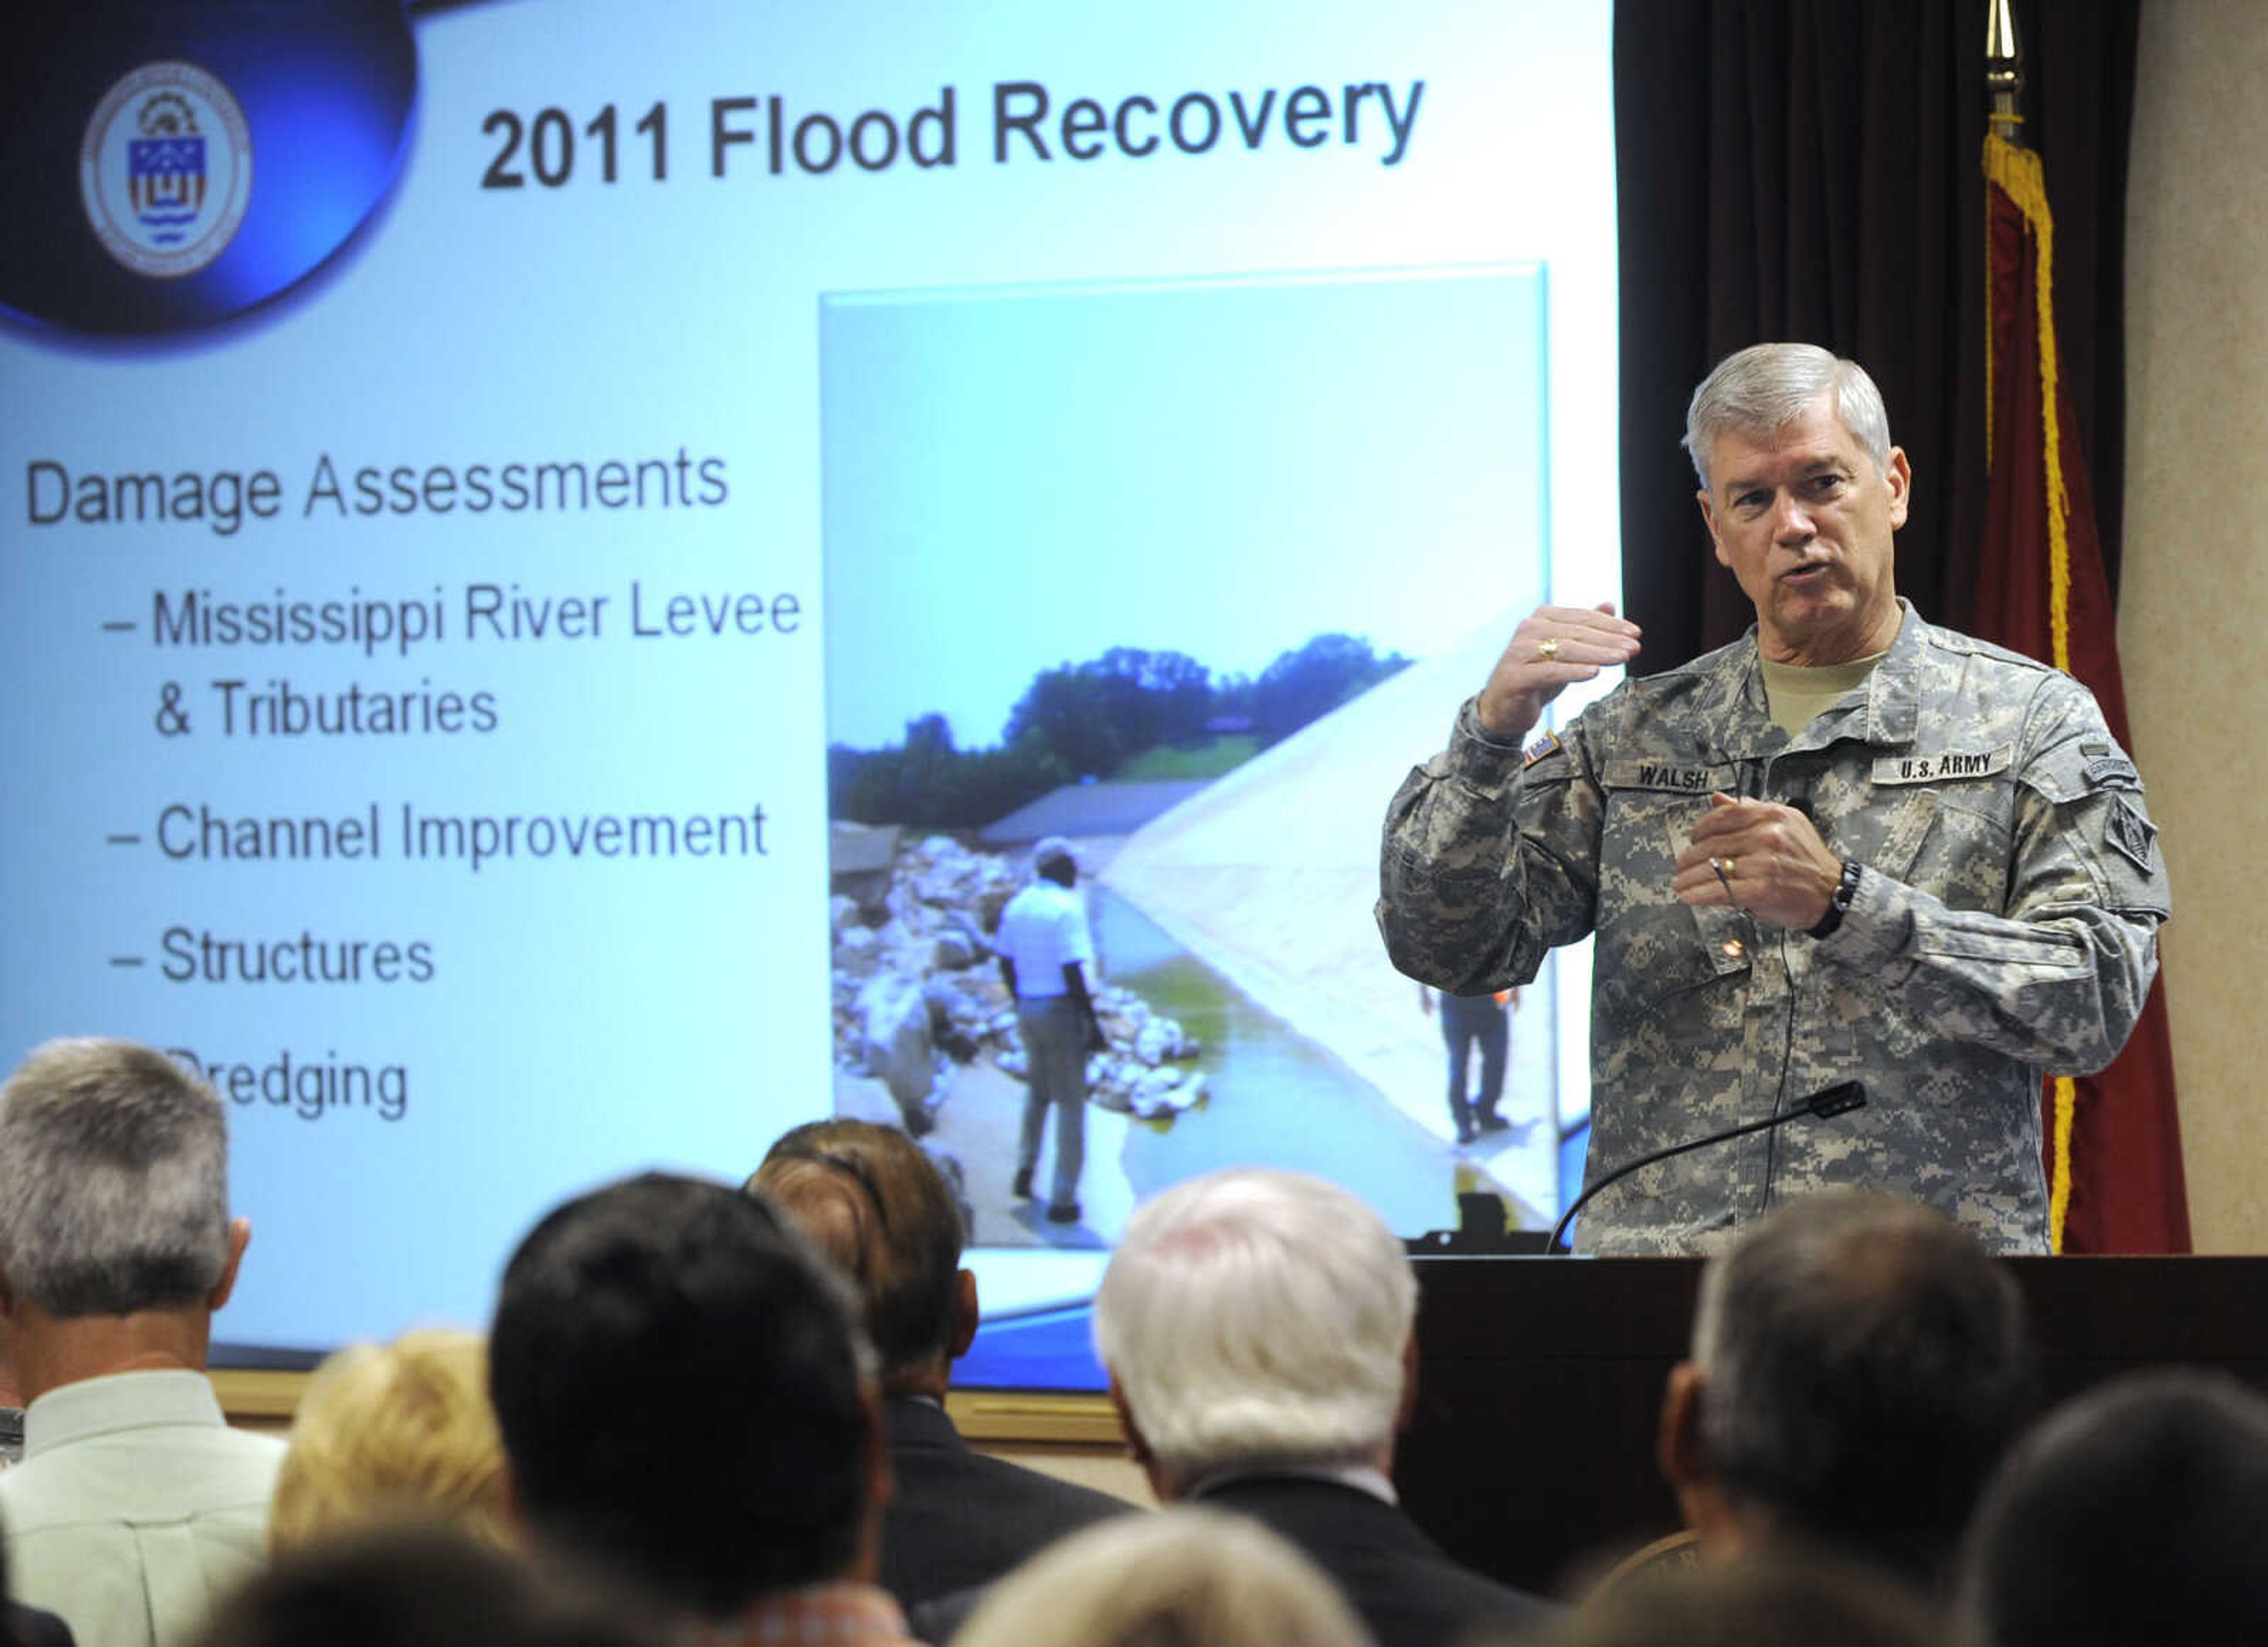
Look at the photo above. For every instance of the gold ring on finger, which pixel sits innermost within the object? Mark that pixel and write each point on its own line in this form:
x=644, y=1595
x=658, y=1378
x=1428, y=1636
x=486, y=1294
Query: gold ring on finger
x=1547, y=651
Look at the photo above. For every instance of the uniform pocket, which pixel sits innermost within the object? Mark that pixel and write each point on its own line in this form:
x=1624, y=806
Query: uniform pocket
x=1661, y=968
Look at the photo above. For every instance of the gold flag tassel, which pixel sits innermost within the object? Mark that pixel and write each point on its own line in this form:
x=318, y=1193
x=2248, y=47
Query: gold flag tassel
x=2019, y=176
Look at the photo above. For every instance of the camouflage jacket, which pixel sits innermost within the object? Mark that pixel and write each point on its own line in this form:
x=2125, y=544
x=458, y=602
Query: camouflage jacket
x=2004, y=922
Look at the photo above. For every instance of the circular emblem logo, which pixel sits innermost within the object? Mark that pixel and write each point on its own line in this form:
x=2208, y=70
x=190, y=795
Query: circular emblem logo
x=165, y=170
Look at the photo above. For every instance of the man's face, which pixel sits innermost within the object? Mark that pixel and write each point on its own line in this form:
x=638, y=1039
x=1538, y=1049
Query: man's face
x=1803, y=518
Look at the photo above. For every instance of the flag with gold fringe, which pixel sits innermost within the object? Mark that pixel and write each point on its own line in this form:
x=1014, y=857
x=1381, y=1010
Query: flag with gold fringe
x=2113, y=1140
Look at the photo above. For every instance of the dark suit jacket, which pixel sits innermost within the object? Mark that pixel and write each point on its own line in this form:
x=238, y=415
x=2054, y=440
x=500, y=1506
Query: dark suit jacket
x=961, y=1518
x=1406, y=1589
x=28, y=1627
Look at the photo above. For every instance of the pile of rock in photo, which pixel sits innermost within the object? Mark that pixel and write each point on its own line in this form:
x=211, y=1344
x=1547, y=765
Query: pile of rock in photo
x=917, y=992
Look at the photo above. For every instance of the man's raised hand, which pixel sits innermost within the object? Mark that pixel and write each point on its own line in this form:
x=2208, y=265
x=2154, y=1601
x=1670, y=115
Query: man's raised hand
x=1553, y=647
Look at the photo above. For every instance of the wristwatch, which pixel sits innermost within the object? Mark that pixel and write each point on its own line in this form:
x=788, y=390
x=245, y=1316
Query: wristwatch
x=1845, y=889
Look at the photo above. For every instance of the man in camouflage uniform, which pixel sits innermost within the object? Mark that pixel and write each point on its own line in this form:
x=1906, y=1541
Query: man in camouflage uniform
x=1849, y=845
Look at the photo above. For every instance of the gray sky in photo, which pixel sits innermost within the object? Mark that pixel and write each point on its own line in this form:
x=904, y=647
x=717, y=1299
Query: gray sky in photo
x=1019, y=478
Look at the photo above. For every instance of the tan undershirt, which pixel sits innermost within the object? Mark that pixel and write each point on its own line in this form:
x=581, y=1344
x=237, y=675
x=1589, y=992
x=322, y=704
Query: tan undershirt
x=1795, y=694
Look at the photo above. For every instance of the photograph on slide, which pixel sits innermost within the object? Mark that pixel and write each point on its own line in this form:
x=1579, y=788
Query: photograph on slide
x=1138, y=565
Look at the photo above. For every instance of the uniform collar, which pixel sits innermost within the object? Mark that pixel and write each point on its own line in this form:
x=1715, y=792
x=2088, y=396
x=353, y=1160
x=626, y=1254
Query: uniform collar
x=1891, y=709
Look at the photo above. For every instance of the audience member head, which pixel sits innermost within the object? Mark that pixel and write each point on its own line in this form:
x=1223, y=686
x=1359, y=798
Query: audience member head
x=2136, y=1512
x=115, y=1242
x=1184, y=1577
x=1859, y=1364
x=417, y=1587
x=402, y=1432
x=875, y=1204
x=682, y=1388
x=1769, y=1602
x=1766, y=386
x=1254, y=1317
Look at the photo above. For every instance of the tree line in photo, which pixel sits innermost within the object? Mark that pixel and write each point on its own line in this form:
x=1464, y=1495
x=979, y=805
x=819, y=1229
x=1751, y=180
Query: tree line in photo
x=1129, y=714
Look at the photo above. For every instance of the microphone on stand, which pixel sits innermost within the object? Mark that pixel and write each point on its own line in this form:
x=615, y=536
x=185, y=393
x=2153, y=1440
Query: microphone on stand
x=1839, y=1100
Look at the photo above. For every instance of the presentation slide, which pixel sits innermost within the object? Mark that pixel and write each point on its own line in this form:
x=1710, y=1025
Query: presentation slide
x=559, y=556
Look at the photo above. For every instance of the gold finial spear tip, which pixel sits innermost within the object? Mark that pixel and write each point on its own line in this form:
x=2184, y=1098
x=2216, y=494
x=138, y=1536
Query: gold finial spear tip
x=2004, y=67
x=2000, y=33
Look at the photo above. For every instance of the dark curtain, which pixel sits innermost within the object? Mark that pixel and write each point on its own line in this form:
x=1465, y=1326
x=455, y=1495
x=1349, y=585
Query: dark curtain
x=1808, y=170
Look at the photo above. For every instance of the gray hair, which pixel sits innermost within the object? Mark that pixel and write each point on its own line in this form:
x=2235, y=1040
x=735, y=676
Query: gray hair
x=114, y=1181
x=1863, y=1362
x=1767, y=386
x=1186, y=1577
x=1253, y=1316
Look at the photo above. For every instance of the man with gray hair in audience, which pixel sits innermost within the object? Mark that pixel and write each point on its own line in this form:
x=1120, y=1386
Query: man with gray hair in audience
x=1859, y=1363
x=136, y=1504
x=1257, y=1326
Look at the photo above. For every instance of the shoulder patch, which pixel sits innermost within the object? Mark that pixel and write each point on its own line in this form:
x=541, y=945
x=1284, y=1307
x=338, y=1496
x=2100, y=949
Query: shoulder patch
x=1541, y=749
x=2131, y=833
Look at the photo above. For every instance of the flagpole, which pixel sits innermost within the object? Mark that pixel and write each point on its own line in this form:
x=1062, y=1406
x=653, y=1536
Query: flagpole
x=2004, y=72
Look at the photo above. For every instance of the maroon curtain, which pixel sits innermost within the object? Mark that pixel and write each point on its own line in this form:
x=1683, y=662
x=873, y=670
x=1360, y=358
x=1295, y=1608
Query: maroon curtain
x=1808, y=170
x=2114, y=1140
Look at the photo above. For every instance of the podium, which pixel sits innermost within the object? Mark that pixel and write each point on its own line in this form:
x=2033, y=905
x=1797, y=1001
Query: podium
x=1531, y=1451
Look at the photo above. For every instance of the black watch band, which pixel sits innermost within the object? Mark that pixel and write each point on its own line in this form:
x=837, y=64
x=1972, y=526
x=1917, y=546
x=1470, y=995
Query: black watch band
x=1838, y=901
